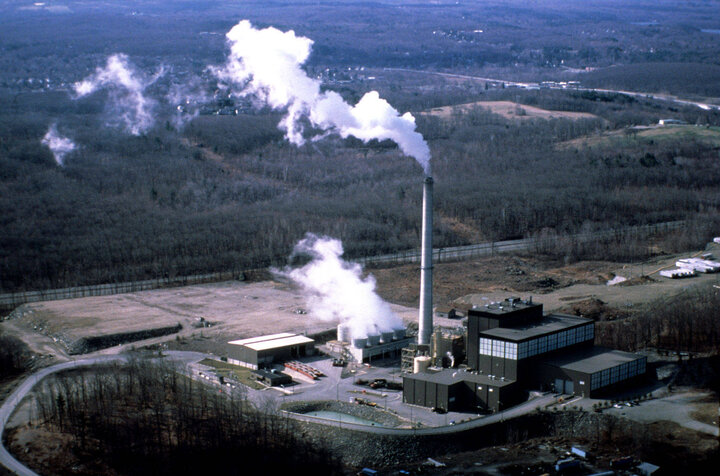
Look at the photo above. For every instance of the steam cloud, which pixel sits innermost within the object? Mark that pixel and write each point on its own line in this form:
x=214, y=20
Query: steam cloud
x=60, y=146
x=187, y=98
x=266, y=64
x=126, y=90
x=337, y=290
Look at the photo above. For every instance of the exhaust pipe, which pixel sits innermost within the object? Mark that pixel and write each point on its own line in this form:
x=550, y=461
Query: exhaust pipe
x=425, y=318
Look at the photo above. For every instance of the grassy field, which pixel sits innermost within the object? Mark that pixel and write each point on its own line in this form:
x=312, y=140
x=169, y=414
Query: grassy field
x=653, y=135
x=510, y=110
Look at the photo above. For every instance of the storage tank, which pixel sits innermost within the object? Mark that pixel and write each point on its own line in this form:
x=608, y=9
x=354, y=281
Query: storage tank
x=386, y=337
x=360, y=342
x=373, y=339
x=399, y=333
x=343, y=333
x=421, y=363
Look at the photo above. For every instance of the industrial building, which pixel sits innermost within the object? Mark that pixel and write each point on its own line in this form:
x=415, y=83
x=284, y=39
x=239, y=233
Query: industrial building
x=272, y=378
x=512, y=347
x=263, y=351
x=375, y=346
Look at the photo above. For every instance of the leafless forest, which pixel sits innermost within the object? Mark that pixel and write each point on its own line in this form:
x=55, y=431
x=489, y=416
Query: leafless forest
x=227, y=193
x=145, y=417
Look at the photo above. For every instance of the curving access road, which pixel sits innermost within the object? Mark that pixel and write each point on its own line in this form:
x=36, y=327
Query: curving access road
x=14, y=399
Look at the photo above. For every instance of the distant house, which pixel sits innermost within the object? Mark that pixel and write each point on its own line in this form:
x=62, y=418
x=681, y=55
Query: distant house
x=452, y=312
x=445, y=311
x=271, y=377
x=671, y=122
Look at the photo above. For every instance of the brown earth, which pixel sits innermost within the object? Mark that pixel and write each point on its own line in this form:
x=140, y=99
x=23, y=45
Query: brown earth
x=243, y=309
x=594, y=309
x=493, y=275
x=538, y=455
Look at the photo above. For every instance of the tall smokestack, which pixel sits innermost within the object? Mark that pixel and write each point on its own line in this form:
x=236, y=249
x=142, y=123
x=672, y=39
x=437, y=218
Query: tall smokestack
x=425, y=319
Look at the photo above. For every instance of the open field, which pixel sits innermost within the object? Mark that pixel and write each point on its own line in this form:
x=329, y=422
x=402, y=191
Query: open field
x=509, y=110
x=653, y=135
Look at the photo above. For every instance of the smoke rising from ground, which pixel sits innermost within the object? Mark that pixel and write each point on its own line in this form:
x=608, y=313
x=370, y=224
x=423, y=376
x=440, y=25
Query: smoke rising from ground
x=126, y=89
x=187, y=99
x=59, y=145
x=267, y=64
x=336, y=289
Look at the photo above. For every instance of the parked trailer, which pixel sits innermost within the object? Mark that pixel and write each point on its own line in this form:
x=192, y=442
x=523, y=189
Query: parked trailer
x=677, y=273
x=699, y=265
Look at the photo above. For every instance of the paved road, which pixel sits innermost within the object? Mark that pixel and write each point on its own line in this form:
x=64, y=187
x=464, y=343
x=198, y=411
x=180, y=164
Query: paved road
x=513, y=412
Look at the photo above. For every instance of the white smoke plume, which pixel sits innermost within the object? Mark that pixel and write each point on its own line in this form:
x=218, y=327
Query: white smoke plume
x=60, y=146
x=267, y=64
x=126, y=89
x=337, y=290
x=187, y=99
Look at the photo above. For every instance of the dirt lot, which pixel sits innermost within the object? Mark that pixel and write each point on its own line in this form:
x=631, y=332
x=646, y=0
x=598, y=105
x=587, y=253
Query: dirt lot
x=240, y=309
x=233, y=309
x=556, y=285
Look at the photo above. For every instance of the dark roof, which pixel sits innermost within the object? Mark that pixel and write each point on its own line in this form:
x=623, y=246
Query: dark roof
x=453, y=376
x=548, y=325
x=593, y=360
x=508, y=306
x=272, y=376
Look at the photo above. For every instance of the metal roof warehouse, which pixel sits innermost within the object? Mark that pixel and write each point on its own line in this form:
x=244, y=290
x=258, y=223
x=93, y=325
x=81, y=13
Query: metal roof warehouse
x=258, y=352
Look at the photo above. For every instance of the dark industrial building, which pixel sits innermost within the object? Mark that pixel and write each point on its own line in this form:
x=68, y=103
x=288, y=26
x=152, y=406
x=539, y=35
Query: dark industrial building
x=272, y=378
x=512, y=347
x=263, y=351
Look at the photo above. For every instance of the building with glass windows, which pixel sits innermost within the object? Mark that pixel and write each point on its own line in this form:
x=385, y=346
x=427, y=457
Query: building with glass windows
x=512, y=347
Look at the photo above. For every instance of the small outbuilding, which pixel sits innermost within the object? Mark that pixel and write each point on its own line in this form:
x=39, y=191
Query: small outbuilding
x=271, y=378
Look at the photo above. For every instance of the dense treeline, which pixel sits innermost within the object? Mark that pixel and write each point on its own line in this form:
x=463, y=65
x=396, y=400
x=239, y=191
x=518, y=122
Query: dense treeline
x=14, y=356
x=550, y=38
x=661, y=77
x=145, y=417
x=228, y=193
x=685, y=323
